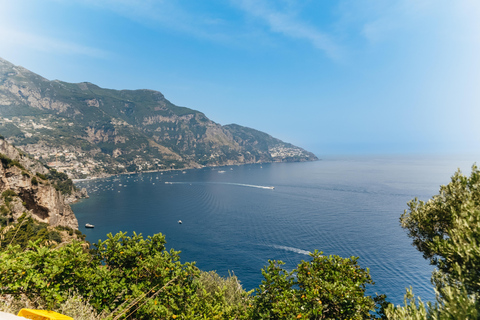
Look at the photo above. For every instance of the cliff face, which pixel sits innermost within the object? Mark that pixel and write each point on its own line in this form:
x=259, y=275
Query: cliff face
x=86, y=130
x=23, y=191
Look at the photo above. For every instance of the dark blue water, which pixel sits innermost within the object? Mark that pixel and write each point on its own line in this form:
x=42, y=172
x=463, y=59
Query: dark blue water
x=347, y=207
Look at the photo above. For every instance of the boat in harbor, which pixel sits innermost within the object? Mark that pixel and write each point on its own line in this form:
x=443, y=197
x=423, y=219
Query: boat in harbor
x=88, y=225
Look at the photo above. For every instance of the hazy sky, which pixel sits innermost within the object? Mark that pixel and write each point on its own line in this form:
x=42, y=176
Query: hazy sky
x=346, y=76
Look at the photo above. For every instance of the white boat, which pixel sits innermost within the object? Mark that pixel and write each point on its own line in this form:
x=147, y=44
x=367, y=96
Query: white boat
x=180, y=221
x=88, y=225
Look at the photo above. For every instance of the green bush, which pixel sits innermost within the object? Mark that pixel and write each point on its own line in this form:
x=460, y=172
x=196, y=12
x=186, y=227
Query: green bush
x=326, y=287
x=451, y=303
x=55, y=236
x=41, y=176
x=79, y=234
x=221, y=298
x=132, y=276
x=4, y=210
x=7, y=162
x=9, y=193
x=27, y=229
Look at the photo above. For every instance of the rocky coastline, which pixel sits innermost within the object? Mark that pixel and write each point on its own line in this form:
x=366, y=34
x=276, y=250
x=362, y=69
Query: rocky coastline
x=23, y=190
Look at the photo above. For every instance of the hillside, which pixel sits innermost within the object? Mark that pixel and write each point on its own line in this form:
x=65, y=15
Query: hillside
x=25, y=187
x=85, y=130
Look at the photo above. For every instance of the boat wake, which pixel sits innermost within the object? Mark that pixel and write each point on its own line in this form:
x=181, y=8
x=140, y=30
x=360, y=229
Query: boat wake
x=296, y=250
x=226, y=183
x=248, y=185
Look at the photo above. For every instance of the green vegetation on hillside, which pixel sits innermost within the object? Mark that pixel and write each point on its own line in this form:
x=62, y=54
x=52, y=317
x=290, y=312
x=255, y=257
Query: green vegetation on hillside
x=137, y=278
x=28, y=229
x=7, y=162
x=6, y=208
x=60, y=181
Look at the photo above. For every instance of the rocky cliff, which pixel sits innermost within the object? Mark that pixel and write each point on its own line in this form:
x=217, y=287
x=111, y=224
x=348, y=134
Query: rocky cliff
x=23, y=189
x=85, y=130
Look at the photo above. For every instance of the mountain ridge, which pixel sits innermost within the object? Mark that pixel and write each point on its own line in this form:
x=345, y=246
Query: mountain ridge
x=85, y=130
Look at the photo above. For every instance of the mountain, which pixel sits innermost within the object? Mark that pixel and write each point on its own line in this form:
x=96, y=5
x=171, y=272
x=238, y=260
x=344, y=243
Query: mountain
x=85, y=130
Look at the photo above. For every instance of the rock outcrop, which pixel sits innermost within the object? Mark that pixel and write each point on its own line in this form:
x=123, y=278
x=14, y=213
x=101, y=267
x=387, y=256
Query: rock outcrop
x=22, y=190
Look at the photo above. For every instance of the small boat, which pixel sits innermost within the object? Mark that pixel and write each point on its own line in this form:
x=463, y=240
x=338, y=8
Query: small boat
x=179, y=221
x=88, y=225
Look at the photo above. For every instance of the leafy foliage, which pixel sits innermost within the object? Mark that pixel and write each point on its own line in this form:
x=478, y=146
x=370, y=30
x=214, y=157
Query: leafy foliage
x=221, y=298
x=412, y=310
x=446, y=229
x=135, y=267
x=136, y=278
x=451, y=303
x=124, y=275
x=324, y=288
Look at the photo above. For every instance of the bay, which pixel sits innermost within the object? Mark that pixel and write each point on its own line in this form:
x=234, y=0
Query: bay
x=347, y=206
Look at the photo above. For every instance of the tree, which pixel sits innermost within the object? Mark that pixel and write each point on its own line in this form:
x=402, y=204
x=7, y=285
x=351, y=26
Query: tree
x=327, y=287
x=446, y=229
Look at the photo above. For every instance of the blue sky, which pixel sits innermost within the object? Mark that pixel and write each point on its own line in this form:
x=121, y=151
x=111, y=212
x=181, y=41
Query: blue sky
x=335, y=77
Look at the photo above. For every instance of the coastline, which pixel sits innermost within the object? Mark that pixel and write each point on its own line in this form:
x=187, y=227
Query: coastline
x=75, y=199
x=183, y=169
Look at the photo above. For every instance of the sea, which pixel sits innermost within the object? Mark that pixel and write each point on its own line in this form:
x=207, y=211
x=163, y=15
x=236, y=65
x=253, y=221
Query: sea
x=236, y=218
